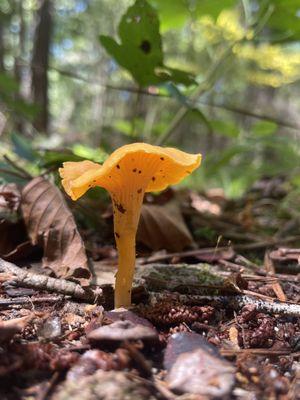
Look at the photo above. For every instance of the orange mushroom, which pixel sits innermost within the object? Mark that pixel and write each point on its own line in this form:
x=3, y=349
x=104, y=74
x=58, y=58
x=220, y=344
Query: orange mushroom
x=127, y=174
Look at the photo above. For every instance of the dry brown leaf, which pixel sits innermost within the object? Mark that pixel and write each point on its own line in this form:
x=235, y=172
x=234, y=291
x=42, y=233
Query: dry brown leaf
x=51, y=225
x=9, y=200
x=233, y=334
x=14, y=244
x=163, y=227
x=10, y=327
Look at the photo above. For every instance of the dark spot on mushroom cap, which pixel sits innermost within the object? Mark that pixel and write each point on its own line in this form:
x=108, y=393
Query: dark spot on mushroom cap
x=162, y=158
x=139, y=191
x=153, y=178
x=145, y=46
x=118, y=166
x=140, y=171
x=117, y=235
x=134, y=170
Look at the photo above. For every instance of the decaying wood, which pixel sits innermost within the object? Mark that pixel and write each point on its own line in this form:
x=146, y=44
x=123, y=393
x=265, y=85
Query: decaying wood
x=29, y=300
x=21, y=277
x=231, y=301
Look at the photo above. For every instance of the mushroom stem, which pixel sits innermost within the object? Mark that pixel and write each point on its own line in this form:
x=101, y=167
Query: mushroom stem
x=127, y=213
x=124, y=276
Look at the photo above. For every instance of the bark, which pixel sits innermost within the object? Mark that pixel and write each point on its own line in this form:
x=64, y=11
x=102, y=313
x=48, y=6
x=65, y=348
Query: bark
x=40, y=64
x=1, y=48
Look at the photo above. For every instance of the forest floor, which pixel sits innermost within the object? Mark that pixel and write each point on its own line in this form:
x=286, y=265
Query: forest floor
x=217, y=315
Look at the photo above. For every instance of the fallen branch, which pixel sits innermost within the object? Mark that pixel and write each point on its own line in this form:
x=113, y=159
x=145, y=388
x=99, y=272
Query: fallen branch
x=29, y=300
x=235, y=302
x=20, y=277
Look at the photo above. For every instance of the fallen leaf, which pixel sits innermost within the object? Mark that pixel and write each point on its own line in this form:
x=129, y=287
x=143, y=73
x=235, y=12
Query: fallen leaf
x=204, y=205
x=51, y=225
x=14, y=243
x=195, y=366
x=163, y=227
x=233, y=334
x=9, y=201
x=10, y=327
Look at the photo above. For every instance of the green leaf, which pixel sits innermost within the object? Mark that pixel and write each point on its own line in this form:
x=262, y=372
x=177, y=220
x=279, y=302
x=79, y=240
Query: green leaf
x=52, y=158
x=23, y=147
x=6, y=177
x=172, y=13
x=225, y=128
x=140, y=50
x=8, y=84
x=285, y=19
x=213, y=7
x=264, y=128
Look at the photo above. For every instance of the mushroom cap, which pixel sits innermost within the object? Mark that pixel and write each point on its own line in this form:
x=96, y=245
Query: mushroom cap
x=155, y=166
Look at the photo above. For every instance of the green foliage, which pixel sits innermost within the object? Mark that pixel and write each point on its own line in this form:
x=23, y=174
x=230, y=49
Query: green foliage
x=23, y=147
x=225, y=128
x=264, y=128
x=140, y=51
x=284, y=19
x=9, y=89
x=93, y=106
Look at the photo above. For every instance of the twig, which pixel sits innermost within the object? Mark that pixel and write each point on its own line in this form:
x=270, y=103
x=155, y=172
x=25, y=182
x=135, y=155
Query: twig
x=100, y=294
x=235, y=302
x=188, y=253
x=24, y=173
x=153, y=93
x=259, y=352
x=270, y=269
x=13, y=173
x=29, y=300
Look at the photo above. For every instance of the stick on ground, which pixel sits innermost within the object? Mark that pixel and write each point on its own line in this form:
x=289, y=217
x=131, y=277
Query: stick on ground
x=21, y=277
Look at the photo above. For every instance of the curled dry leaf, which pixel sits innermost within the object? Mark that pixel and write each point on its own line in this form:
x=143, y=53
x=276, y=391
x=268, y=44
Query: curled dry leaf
x=10, y=327
x=51, y=225
x=163, y=227
x=9, y=200
x=14, y=244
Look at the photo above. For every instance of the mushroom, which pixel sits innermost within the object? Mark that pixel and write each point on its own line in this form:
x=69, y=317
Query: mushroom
x=127, y=174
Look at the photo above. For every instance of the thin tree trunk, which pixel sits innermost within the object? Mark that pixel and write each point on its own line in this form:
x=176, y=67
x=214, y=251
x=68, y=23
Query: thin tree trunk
x=40, y=64
x=18, y=68
x=1, y=49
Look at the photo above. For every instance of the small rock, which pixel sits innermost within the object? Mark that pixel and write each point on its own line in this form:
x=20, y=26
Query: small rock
x=194, y=366
x=122, y=330
x=51, y=329
x=184, y=342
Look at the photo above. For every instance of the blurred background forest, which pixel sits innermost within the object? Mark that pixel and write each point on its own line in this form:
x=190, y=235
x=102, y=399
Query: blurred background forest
x=79, y=78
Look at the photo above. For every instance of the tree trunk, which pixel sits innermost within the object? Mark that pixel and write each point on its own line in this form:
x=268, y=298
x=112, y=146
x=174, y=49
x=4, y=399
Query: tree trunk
x=40, y=63
x=1, y=49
